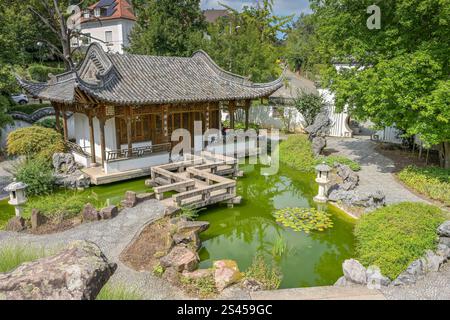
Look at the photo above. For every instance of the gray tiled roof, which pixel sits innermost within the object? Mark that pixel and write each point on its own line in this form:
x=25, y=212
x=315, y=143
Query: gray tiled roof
x=140, y=80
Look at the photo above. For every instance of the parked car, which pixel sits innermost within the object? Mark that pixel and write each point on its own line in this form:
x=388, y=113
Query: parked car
x=20, y=98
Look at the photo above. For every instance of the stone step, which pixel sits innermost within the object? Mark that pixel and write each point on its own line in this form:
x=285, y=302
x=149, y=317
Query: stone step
x=320, y=293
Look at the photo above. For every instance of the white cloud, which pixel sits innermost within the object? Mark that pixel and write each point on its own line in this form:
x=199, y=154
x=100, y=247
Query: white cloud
x=281, y=7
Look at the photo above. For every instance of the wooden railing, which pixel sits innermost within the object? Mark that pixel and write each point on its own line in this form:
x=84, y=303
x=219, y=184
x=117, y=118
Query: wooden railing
x=137, y=152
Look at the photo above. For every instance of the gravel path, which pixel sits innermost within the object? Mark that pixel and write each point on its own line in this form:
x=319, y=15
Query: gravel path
x=434, y=286
x=112, y=237
x=376, y=169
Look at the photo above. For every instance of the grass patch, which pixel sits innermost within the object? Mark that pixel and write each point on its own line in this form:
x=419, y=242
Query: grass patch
x=332, y=160
x=13, y=256
x=266, y=274
x=432, y=182
x=204, y=287
x=297, y=153
x=118, y=292
x=60, y=205
x=392, y=237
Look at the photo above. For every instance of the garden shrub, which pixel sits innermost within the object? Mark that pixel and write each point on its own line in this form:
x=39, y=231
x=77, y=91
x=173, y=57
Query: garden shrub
x=392, y=237
x=297, y=153
x=60, y=205
x=431, y=181
x=37, y=174
x=118, y=292
x=241, y=125
x=266, y=274
x=35, y=141
x=13, y=256
x=49, y=123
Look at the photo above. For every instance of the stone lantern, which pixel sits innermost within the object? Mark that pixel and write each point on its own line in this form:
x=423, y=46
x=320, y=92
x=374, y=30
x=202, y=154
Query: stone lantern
x=323, y=179
x=17, y=196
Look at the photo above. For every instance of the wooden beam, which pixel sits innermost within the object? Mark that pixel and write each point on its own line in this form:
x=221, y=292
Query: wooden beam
x=129, y=142
x=102, y=121
x=92, y=138
x=231, y=108
x=57, y=113
x=248, y=104
x=66, y=130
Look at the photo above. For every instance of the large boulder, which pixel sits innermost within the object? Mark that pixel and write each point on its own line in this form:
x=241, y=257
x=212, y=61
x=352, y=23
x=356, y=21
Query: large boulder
x=444, y=229
x=368, y=200
x=226, y=273
x=77, y=273
x=90, y=213
x=16, y=224
x=354, y=271
x=109, y=212
x=75, y=180
x=180, y=258
x=318, y=144
x=432, y=262
x=130, y=199
x=414, y=271
x=350, y=179
x=192, y=226
x=375, y=278
x=64, y=163
x=320, y=127
x=190, y=238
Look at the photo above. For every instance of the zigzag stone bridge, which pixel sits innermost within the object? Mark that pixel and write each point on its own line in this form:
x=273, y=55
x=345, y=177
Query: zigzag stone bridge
x=199, y=180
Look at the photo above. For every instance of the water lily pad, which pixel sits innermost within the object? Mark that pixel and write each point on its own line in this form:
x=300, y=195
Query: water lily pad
x=304, y=219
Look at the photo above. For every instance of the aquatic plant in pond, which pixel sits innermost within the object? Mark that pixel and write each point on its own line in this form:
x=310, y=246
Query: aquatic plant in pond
x=249, y=229
x=304, y=219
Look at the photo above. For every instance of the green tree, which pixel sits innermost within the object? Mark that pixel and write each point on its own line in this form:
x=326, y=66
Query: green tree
x=400, y=73
x=309, y=105
x=246, y=42
x=168, y=28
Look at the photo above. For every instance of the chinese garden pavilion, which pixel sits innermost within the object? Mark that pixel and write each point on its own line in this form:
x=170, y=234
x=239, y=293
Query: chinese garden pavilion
x=126, y=106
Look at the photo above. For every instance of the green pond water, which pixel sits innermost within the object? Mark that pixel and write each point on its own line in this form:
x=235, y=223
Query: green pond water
x=248, y=229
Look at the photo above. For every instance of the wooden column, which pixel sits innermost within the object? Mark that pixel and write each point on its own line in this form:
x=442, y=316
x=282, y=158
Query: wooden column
x=165, y=124
x=66, y=131
x=92, y=138
x=129, y=142
x=231, y=108
x=248, y=103
x=57, y=113
x=102, y=121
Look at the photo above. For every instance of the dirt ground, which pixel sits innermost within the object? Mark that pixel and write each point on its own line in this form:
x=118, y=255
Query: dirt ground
x=56, y=226
x=403, y=158
x=144, y=252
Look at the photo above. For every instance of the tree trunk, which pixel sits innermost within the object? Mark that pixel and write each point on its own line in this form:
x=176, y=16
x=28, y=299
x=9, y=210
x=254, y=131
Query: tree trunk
x=444, y=155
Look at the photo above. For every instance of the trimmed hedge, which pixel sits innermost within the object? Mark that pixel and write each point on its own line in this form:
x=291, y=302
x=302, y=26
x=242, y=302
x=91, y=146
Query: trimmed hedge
x=39, y=72
x=394, y=236
x=432, y=182
x=297, y=153
x=28, y=108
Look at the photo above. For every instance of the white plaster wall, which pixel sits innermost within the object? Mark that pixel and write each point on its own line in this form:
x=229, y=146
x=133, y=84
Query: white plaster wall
x=339, y=127
x=240, y=148
x=120, y=28
x=81, y=126
x=138, y=163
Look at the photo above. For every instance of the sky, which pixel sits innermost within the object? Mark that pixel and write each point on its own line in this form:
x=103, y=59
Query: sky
x=281, y=7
